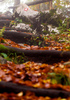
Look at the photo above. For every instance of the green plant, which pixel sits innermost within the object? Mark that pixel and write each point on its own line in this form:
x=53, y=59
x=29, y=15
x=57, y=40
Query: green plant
x=1, y=32
x=65, y=27
x=40, y=42
x=18, y=20
x=12, y=22
x=14, y=57
x=59, y=78
x=53, y=36
x=45, y=32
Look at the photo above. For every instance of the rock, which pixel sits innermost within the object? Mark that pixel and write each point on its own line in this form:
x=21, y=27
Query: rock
x=28, y=16
x=24, y=11
x=51, y=29
x=6, y=14
x=25, y=27
x=2, y=60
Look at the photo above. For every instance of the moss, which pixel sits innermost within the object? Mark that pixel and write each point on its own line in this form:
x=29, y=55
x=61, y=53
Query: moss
x=2, y=47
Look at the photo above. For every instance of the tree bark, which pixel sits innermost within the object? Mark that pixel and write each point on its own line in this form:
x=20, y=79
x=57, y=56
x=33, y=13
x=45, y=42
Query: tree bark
x=37, y=2
x=50, y=7
x=31, y=3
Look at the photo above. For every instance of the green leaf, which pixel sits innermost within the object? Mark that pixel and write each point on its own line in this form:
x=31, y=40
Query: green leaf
x=1, y=31
x=40, y=43
x=59, y=78
x=20, y=20
x=4, y=55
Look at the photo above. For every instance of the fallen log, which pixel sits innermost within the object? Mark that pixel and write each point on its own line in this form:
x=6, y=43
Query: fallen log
x=31, y=3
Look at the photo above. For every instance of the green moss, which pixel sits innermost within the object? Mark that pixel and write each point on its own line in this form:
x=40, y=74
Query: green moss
x=2, y=47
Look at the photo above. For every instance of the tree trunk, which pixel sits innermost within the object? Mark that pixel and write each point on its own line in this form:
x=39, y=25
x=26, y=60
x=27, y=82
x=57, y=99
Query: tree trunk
x=37, y=2
x=50, y=6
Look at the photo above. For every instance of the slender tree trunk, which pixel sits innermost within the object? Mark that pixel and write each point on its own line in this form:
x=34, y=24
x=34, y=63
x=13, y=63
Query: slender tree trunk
x=67, y=23
x=50, y=6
